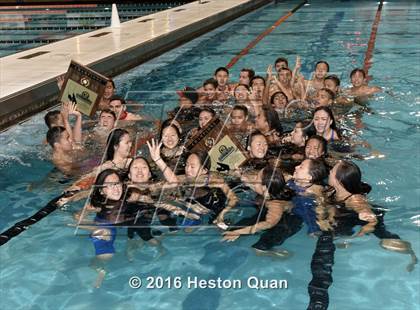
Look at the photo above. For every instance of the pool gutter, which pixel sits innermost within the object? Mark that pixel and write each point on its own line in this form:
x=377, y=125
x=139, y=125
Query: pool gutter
x=168, y=29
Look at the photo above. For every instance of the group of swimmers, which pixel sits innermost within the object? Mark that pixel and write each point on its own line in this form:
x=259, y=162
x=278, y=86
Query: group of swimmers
x=286, y=127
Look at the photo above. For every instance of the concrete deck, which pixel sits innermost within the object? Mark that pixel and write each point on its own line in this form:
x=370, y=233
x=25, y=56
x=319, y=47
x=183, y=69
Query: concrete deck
x=27, y=79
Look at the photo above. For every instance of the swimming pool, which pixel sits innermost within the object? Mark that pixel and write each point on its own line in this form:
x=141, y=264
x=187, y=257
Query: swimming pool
x=30, y=27
x=47, y=266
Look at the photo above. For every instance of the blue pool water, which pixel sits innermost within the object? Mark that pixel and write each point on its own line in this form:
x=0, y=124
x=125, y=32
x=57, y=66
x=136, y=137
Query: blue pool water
x=46, y=267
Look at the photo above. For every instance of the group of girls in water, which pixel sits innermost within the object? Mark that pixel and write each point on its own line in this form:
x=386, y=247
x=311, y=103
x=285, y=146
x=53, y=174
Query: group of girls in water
x=285, y=127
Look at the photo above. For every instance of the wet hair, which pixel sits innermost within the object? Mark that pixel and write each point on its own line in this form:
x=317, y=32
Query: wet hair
x=276, y=94
x=334, y=78
x=256, y=78
x=281, y=59
x=251, y=73
x=209, y=110
x=98, y=199
x=318, y=171
x=348, y=174
x=252, y=135
x=321, y=141
x=272, y=119
x=242, y=108
x=243, y=85
x=323, y=62
x=210, y=81
x=333, y=126
x=108, y=111
x=329, y=92
x=354, y=71
x=152, y=177
x=286, y=69
x=114, y=98
x=273, y=179
x=112, y=82
x=113, y=140
x=54, y=135
x=203, y=157
x=51, y=117
x=169, y=123
x=221, y=69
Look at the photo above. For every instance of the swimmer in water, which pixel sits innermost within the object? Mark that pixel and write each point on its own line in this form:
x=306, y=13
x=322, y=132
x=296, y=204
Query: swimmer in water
x=257, y=85
x=245, y=76
x=332, y=82
x=208, y=93
x=359, y=84
x=268, y=123
x=238, y=123
x=198, y=184
x=324, y=124
x=172, y=150
x=224, y=89
x=62, y=119
x=274, y=203
x=205, y=116
x=321, y=70
x=119, y=107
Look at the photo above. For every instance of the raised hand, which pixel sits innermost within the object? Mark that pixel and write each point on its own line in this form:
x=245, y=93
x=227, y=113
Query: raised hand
x=154, y=149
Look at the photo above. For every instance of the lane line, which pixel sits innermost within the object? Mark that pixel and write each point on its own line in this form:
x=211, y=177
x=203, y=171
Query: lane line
x=367, y=64
x=261, y=36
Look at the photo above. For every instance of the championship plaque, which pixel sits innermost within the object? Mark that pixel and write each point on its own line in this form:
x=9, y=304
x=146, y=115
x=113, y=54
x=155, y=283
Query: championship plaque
x=83, y=86
x=226, y=153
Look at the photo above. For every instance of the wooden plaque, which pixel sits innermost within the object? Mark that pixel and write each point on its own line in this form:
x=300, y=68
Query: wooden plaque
x=83, y=86
x=225, y=151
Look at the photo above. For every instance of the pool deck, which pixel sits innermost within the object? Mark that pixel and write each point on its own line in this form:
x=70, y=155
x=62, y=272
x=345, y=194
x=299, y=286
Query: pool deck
x=28, y=79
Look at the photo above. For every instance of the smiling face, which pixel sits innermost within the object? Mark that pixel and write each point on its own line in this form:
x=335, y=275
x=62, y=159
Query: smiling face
x=322, y=122
x=170, y=137
x=285, y=76
x=237, y=117
x=321, y=71
x=209, y=91
x=280, y=65
x=106, y=120
x=112, y=187
x=139, y=171
x=357, y=79
x=222, y=78
x=279, y=101
x=258, y=147
x=193, y=167
x=314, y=149
x=117, y=107
x=241, y=93
x=258, y=87
x=204, y=118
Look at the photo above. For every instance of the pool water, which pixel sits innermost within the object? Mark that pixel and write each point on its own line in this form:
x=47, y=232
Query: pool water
x=47, y=266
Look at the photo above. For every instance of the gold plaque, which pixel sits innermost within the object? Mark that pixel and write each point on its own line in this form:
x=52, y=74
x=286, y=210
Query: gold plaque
x=83, y=86
x=225, y=151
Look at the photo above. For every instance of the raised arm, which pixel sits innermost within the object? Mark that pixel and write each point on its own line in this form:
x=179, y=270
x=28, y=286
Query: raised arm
x=359, y=204
x=154, y=149
x=275, y=211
